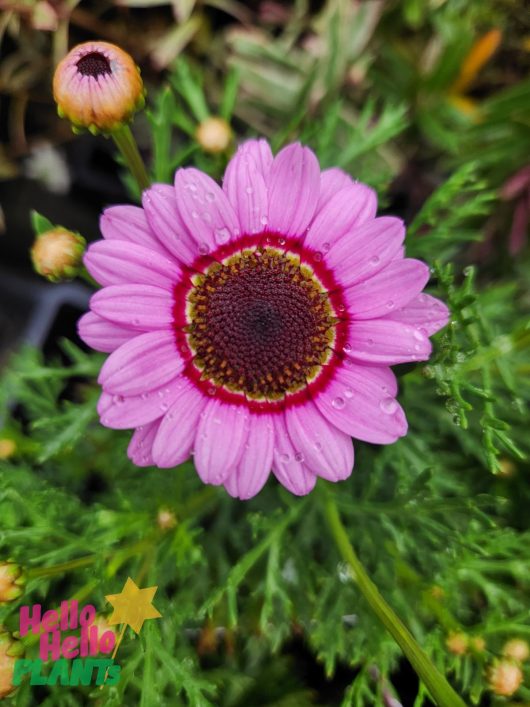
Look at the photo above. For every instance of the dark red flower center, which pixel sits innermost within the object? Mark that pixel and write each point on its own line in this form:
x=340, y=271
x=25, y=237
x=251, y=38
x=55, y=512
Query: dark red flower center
x=94, y=64
x=260, y=323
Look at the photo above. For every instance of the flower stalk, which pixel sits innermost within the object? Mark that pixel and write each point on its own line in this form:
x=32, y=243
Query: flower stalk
x=440, y=690
x=128, y=148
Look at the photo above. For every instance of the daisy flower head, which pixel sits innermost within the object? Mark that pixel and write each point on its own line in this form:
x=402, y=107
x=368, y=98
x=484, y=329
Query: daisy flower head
x=98, y=86
x=254, y=325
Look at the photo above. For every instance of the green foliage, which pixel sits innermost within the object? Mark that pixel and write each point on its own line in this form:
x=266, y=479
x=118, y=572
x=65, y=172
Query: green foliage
x=439, y=519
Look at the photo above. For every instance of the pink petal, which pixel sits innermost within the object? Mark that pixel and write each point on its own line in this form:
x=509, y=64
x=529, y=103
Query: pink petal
x=294, y=185
x=139, y=450
x=245, y=188
x=331, y=181
x=128, y=223
x=382, y=341
x=391, y=288
x=360, y=402
x=261, y=153
x=346, y=209
x=141, y=307
x=255, y=465
x=117, y=262
x=287, y=463
x=121, y=413
x=160, y=205
x=366, y=250
x=204, y=209
x=142, y=364
x=326, y=450
x=220, y=440
x=101, y=334
x=176, y=435
x=424, y=312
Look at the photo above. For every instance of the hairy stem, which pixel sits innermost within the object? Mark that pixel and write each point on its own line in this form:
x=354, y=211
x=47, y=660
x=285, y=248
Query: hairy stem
x=440, y=690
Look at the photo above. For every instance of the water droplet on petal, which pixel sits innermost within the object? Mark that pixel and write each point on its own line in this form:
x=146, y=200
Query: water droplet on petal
x=374, y=260
x=222, y=235
x=338, y=403
x=210, y=196
x=249, y=190
x=117, y=399
x=204, y=248
x=206, y=216
x=370, y=342
x=318, y=446
x=212, y=390
x=390, y=304
x=325, y=247
x=418, y=335
x=317, y=256
x=264, y=220
x=195, y=214
x=285, y=458
x=299, y=457
x=348, y=393
x=388, y=405
x=347, y=348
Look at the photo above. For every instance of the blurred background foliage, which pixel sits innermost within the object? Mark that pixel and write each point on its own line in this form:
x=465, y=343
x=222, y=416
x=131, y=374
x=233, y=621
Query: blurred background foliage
x=428, y=101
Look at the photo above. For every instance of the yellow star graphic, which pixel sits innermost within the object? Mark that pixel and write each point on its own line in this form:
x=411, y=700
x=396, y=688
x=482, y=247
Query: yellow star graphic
x=133, y=606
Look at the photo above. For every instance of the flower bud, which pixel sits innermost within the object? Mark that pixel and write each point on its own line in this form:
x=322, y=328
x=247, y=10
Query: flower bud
x=505, y=677
x=102, y=625
x=517, y=649
x=98, y=86
x=57, y=254
x=457, y=643
x=10, y=650
x=7, y=448
x=12, y=581
x=166, y=519
x=214, y=135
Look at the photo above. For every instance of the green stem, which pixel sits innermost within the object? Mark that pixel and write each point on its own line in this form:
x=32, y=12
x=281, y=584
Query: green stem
x=440, y=690
x=126, y=144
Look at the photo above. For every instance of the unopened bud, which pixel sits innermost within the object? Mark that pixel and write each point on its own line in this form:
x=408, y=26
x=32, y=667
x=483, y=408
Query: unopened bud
x=166, y=519
x=437, y=592
x=10, y=650
x=102, y=625
x=98, y=86
x=517, y=649
x=57, y=254
x=214, y=135
x=505, y=677
x=7, y=448
x=457, y=643
x=12, y=581
x=506, y=468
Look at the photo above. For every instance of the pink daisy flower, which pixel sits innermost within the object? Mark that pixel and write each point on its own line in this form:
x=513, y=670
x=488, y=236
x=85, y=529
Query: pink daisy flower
x=253, y=326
